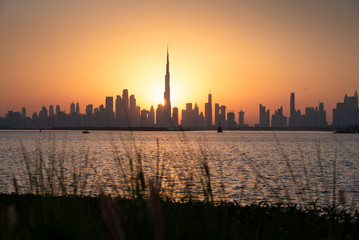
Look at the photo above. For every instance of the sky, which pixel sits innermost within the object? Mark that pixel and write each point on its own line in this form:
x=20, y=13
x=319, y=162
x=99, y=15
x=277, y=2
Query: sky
x=245, y=53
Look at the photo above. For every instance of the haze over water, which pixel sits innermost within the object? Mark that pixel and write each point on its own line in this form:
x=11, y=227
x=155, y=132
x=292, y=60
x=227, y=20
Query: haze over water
x=252, y=166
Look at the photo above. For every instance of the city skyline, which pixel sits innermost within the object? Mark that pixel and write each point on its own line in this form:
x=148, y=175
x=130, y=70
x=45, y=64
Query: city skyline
x=126, y=113
x=245, y=53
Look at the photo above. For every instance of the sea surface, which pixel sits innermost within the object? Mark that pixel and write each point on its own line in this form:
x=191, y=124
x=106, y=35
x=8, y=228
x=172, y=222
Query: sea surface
x=243, y=166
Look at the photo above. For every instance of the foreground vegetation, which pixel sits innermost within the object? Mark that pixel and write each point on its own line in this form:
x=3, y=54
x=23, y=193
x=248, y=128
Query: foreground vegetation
x=73, y=217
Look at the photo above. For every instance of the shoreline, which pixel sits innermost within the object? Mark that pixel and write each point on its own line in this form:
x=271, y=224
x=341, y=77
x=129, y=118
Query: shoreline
x=299, y=129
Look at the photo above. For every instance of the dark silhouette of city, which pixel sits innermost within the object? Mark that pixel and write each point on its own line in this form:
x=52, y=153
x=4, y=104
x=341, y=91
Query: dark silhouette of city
x=127, y=115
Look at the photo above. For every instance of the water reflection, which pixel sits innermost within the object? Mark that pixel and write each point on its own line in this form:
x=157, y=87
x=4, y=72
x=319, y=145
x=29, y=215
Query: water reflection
x=297, y=167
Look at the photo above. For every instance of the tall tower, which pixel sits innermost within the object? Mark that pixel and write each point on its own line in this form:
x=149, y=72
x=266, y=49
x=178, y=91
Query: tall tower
x=208, y=112
x=167, y=95
x=292, y=113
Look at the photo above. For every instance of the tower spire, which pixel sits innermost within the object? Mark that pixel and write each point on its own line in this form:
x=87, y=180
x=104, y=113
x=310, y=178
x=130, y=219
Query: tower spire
x=168, y=62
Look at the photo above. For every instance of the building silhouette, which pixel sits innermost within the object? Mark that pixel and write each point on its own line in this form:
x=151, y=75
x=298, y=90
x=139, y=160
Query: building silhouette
x=294, y=117
x=192, y=118
x=208, y=112
x=175, y=116
x=109, y=114
x=313, y=117
x=278, y=119
x=77, y=108
x=347, y=112
x=241, y=119
x=58, y=109
x=231, y=123
x=51, y=111
x=163, y=112
x=219, y=115
x=167, y=93
x=263, y=117
x=72, y=108
x=23, y=112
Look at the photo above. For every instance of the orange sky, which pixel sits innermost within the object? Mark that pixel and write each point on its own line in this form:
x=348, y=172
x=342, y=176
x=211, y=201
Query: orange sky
x=245, y=52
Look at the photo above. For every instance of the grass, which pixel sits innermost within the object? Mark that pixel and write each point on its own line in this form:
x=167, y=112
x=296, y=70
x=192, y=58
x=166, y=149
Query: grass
x=61, y=198
x=75, y=217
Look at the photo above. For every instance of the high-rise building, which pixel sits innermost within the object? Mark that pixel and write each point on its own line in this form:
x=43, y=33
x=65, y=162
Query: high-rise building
x=51, y=111
x=109, y=111
x=347, y=112
x=231, y=123
x=175, y=116
x=118, y=103
x=208, y=112
x=43, y=117
x=72, y=108
x=191, y=118
x=109, y=105
x=278, y=119
x=89, y=110
x=58, y=109
x=219, y=115
x=216, y=115
x=151, y=117
x=132, y=103
x=163, y=112
x=77, y=108
x=167, y=93
x=144, y=118
x=241, y=118
x=125, y=99
x=263, y=116
x=222, y=117
x=295, y=115
x=314, y=117
x=23, y=112
x=160, y=118
x=134, y=113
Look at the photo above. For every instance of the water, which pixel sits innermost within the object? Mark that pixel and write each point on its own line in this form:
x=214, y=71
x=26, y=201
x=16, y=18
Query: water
x=246, y=166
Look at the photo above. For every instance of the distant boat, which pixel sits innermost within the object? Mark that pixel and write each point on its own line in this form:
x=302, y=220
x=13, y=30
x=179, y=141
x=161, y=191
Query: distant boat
x=219, y=129
x=85, y=131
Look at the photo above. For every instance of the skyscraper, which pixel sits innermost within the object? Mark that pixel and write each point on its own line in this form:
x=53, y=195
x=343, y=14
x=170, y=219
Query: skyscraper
x=109, y=115
x=167, y=94
x=230, y=119
x=163, y=112
x=72, y=108
x=118, y=103
x=263, y=116
x=89, y=110
x=241, y=118
x=295, y=115
x=208, y=112
x=77, y=108
x=23, y=112
x=347, y=112
x=175, y=116
x=278, y=119
x=58, y=109
x=109, y=107
x=216, y=115
x=125, y=99
x=51, y=111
